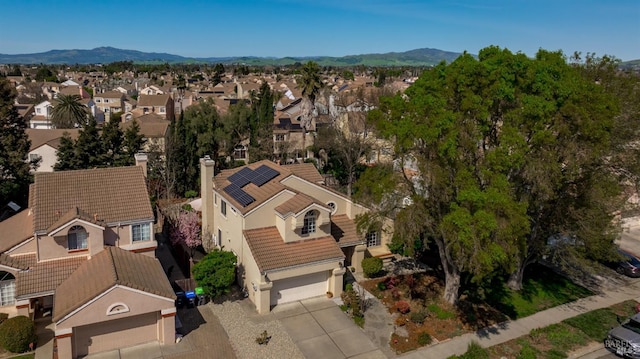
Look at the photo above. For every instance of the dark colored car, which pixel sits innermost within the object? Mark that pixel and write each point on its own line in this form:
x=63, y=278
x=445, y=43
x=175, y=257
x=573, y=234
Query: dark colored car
x=629, y=266
x=624, y=340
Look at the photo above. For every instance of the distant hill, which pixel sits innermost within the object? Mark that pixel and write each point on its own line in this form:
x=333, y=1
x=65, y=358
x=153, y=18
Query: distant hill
x=418, y=57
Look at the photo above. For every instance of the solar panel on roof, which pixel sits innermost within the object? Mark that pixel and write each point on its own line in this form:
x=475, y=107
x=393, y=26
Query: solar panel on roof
x=264, y=174
x=239, y=194
x=242, y=177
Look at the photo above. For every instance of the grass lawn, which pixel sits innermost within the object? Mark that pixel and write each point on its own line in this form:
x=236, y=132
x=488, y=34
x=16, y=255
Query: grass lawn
x=542, y=289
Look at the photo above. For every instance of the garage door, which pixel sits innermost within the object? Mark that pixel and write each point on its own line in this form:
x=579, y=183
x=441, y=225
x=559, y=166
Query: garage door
x=297, y=288
x=117, y=333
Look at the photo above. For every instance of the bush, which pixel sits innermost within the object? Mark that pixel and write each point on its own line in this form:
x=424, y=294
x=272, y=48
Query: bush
x=216, y=272
x=424, y=339
x=348, y=287
x=381, y=286
x=418, y=317
x=371, y=266
x=403, y=306
x=475, y=351
x=16, y=333
x=359, y=320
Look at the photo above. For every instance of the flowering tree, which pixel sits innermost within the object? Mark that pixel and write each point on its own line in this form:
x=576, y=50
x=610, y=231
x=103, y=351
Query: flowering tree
x=186, y=230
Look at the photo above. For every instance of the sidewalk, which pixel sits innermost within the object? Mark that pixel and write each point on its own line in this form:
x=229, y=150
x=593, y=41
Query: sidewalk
x=509, y=330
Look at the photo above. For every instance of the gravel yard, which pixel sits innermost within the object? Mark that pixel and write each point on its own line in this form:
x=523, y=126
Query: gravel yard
x=243, y=329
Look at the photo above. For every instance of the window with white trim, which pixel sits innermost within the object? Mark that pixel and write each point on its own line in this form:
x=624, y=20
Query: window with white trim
x=373, y=239
x=77, y=238
x=140, y=232
x=309, y=224
x=7, y=289
x=223, y=207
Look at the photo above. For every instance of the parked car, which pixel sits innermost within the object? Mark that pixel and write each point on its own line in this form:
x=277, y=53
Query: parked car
x=629, y=265
x=624, y=340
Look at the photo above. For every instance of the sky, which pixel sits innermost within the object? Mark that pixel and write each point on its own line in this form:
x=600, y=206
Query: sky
x=280, y=28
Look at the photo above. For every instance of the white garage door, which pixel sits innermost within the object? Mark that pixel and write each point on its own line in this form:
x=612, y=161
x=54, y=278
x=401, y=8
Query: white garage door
x=297, y=288
x=118, y=333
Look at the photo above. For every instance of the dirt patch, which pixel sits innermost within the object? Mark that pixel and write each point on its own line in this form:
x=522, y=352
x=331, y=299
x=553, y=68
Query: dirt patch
x=422, y=317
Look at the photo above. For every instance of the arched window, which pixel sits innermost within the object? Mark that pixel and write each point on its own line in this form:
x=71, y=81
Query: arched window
x=77, y=238
x=7, y=289
x=309, y=225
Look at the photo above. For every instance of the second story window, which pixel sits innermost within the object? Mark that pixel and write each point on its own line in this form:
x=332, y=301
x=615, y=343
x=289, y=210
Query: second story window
x=373, y=239
x=223, y=208
x=140, y=232
x=77, y=238
x=309, y=225
x=280, y=137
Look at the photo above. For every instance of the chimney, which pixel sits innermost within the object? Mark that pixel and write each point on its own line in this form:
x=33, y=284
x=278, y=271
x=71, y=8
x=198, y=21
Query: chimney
x=141, y=160
x=206, y=195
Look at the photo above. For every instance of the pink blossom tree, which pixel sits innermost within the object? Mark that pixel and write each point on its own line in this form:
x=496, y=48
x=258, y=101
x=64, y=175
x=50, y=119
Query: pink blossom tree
x=186, y=230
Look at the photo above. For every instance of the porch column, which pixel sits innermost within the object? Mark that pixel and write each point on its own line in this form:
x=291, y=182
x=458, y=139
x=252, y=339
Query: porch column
x=168, y=326
x=64, y=339
x=22, y=307
x=358, y=256
x=337, y=281
x=263, y=296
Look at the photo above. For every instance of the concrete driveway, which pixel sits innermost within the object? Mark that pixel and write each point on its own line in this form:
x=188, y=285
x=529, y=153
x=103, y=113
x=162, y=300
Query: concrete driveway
x=321, y=330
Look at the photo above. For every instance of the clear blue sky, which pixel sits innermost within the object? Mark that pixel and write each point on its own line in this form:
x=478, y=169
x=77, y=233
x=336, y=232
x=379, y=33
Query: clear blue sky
x=211, y=28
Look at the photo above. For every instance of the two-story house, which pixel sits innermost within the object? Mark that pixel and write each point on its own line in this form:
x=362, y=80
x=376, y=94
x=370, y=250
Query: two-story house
x=162, y=105
x=109, y=102
x=44, y=146
x=292, y=235
x=41, y=117
x=72, y=255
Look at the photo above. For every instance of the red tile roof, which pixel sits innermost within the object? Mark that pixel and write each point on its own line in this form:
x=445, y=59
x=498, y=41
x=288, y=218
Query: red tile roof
x=113, y=266
x=271, y=252
x=113, y=195
x=16, y=229
x=44, y=277
x=343, y=229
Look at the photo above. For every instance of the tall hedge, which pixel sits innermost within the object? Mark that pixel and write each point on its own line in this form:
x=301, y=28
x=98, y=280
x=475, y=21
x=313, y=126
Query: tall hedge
x=16, y=333
x=371, y=266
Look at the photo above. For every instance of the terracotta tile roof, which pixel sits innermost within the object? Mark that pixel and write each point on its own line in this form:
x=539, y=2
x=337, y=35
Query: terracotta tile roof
x=44, y=277
x=271, y=252
x=52, y=137
x=23, y=262
x=306, y=171
x=116, y=194
x=151, y=125
x=113, y=266
x=74, y=213
x=15, y=230
x=153, y=100
x=109, y=94
x=343, y=229
x=297, y=203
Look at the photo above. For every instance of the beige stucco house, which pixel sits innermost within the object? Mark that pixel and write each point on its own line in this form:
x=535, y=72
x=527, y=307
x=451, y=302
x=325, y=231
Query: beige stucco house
x=293, y=236
x=84, y=252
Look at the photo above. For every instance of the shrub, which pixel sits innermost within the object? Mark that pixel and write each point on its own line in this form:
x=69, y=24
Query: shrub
x=16, y=333
x=382, y=286
x=348, y=287
x=216, y=272
x=424, y=339
x=391, y=282
x=475, y=351
x=403, y=306
x=371, y=266
x=418, y=317
x=359, y=320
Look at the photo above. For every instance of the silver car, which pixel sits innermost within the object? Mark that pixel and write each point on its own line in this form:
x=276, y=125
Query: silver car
x=624, y=340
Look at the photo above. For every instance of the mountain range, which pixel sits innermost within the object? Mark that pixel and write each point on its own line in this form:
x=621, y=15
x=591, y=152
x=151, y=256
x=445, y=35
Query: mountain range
x=418, y=57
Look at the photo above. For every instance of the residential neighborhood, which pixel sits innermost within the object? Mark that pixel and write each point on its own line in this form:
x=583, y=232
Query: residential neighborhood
x=301, y=211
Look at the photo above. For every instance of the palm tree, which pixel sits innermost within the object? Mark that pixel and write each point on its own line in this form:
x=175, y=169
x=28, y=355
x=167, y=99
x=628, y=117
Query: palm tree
x=310, y=82
x=68, y=112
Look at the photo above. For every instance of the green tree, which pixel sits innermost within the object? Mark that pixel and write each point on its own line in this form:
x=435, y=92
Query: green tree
x=112, y=139
x=132, y=143
x=68, y=112
x=14, y=147
x=310, y=82
x=261, y=124
x=506, y=152
x=44, y=73
x=216, y=272
x=89, y=149
x=66, y=154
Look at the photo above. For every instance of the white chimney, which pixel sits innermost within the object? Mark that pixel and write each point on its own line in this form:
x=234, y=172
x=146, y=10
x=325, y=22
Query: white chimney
x=141, y=160
x=206, y=194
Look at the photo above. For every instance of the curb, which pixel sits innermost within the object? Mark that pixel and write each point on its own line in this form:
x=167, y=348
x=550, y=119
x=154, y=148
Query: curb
x=588, y=349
